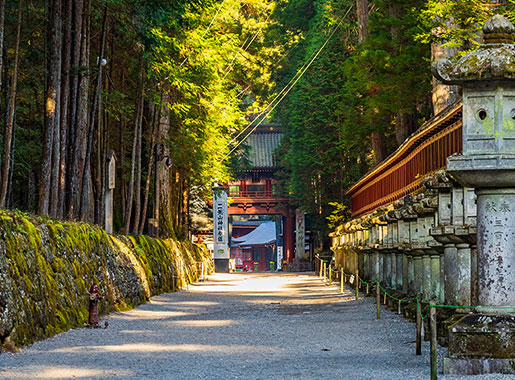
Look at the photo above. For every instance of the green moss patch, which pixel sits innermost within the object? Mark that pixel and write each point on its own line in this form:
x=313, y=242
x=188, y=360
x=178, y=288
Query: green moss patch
x=47, y=268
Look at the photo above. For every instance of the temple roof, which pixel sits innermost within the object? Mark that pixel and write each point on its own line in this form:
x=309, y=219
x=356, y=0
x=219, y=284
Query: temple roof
x=265, y=233
x=263, y=143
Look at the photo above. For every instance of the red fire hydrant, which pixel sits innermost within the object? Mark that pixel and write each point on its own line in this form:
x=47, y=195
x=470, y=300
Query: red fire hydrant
x=94, y=297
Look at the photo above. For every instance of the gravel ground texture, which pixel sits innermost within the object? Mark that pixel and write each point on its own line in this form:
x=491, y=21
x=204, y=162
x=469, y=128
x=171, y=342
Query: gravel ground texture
x=238, y=326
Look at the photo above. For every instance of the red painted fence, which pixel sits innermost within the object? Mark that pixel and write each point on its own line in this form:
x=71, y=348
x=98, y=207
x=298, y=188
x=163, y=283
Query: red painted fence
x=421, y=154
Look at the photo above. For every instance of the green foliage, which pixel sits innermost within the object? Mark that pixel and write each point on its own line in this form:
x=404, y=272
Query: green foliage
x=458, y=23
x=350, y=91
x=339, y=215
x=322, y=145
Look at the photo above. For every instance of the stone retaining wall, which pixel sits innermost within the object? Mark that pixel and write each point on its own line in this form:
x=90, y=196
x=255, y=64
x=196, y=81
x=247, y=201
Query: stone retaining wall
x=47, y=268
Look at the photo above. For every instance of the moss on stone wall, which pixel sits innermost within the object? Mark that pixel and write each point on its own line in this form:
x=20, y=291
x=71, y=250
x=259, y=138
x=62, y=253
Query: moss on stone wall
x=47, y=268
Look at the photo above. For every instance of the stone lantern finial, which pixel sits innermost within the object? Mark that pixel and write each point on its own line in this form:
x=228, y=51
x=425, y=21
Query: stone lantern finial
x=495, y=59
x=498, y=30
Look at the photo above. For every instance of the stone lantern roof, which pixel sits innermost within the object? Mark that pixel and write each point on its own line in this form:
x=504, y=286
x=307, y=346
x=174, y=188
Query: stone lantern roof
x=493, y=60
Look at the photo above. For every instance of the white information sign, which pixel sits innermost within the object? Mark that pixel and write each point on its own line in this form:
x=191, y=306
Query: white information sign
x=279, y=257
x=220, y=224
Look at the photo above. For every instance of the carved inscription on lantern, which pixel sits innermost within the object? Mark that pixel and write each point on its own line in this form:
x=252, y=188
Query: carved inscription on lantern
x=496, y=234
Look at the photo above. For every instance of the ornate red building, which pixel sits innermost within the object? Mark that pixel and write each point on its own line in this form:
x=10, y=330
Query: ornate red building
x=255, y=192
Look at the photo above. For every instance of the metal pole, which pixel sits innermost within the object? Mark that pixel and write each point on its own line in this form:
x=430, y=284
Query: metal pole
x=419, y=326
x=378, y=299
x=399, y=308
x=330, y=274
x=341, y=280
x=434, y=363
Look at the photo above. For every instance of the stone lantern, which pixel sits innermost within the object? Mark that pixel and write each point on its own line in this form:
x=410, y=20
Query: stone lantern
x=487, y=77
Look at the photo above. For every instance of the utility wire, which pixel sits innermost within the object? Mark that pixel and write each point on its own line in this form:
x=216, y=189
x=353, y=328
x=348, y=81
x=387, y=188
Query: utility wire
x=299, y=72
x=243, y=47
x=287, y=90
x=234, y=139
x=235, y=55
x=208, y=28
x=241, y=93
x=213, y=19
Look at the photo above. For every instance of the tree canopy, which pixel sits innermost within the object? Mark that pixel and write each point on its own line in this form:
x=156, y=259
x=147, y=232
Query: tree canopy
x=168, y=85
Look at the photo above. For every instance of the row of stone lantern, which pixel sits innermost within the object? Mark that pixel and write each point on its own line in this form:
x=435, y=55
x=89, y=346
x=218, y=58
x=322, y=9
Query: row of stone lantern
x=420, y=244
x=445, y=255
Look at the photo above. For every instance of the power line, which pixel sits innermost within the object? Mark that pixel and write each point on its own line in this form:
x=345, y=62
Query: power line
x=241, y=93
x=208, y=28
x=266, y=108
x=288, y=90
x=235, y=55
x=299, y=72
x=243, y=47
x=213, y=19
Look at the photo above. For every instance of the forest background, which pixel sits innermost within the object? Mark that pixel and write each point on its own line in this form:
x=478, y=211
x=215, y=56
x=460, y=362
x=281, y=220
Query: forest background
x=172, y=89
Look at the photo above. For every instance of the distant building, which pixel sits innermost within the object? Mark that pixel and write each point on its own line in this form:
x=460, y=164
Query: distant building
x=254, y=196
x=256, y=250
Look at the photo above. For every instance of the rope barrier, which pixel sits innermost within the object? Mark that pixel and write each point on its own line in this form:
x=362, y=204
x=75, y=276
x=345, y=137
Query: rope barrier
x=392, y=297
x=472, y=307
x=417, y=299
x=419, y=309
x=431, y=313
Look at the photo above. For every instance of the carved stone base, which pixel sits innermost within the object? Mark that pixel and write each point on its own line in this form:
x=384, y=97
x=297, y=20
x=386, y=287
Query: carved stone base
x=481, y=344
x=477, y=366
x=222, y=265
x=300, y=266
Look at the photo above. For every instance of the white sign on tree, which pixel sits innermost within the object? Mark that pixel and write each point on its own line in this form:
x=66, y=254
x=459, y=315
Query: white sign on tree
x=109, y=200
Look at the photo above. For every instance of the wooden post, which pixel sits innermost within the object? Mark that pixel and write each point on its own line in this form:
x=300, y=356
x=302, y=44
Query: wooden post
x=384, y=299
x=378, y=299
x=320, y=266
x=399, y=308
x=434, y=363
x=341, y=281
x=357, y=284
x=419, y=326
x=323, y=265
x=368, y=289
x=330, y=274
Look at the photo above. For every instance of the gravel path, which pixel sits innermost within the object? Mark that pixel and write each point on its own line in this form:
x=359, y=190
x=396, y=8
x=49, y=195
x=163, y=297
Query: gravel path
x=237, y=326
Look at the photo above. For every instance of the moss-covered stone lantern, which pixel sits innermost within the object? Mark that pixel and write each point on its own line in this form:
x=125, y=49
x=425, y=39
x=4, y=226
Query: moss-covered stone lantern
x=485, y=341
